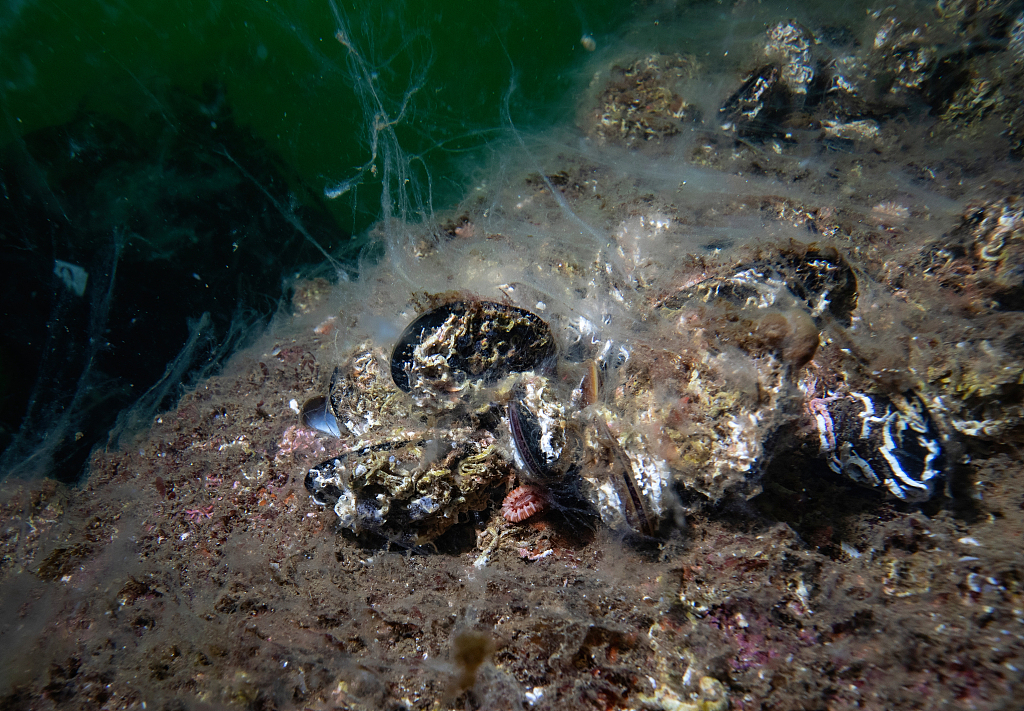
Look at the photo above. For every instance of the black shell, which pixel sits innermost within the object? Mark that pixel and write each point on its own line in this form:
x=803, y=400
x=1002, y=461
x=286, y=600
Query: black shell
x=889, y=444
x=487, y=341
x=613, y=462
x=317, y=415
x=527, y=438
x=758, y=105
x=817, y=276
x=822, y=279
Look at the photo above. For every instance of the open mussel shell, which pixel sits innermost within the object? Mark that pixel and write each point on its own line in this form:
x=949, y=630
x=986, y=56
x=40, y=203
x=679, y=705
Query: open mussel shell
x=612, y=474
x=483, y=340
x=317, y=415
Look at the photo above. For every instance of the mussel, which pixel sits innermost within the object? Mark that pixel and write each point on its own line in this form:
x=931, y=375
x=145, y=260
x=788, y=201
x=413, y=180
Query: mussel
x=886, y=443
x=565, y=455
x=758, y=105
x=822, y=279
x=469, y=340
x=545, y=444
x=317, y=415
x=413, y=488
x=614, y=464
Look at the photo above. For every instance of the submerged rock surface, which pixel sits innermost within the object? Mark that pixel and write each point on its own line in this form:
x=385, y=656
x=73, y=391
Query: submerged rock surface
x=766, y=443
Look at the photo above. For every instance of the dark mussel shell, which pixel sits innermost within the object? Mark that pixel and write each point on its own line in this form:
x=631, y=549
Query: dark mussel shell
x=750, y=286
x=818, y=277
x=758, y=106
x=609, y=460
x=547, y=449
x=487, y=340
x=317, y=415
x=821, y=278
x=888, y=443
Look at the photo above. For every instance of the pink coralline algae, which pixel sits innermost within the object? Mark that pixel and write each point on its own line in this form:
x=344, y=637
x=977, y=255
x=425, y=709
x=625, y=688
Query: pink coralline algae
x=297, y=439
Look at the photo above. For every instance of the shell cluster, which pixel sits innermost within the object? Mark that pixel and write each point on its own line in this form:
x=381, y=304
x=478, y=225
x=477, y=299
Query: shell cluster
x=633, y=369
x=846, y=91
x=468, y=400
x=420, y=447
x=479, y=399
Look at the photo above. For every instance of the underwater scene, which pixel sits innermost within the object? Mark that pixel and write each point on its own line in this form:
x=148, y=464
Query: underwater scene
x=662, y=356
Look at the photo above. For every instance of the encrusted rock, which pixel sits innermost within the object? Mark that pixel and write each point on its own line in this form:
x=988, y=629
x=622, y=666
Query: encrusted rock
x=643, y=101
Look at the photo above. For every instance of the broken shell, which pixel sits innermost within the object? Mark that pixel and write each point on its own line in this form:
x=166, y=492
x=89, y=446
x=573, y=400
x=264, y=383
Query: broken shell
x=468, y=340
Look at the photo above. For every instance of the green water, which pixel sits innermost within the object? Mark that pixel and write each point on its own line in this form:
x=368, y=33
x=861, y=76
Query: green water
x=284, y=74
x=281, y=71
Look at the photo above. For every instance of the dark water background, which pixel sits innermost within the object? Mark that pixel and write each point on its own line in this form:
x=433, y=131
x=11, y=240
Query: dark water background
x=283, y=73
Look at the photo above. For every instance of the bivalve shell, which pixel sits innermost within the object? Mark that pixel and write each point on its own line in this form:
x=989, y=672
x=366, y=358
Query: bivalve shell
x=446, y=348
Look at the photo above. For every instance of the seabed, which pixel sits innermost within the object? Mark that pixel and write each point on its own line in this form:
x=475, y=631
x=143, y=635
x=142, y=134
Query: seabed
x=836, y=246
